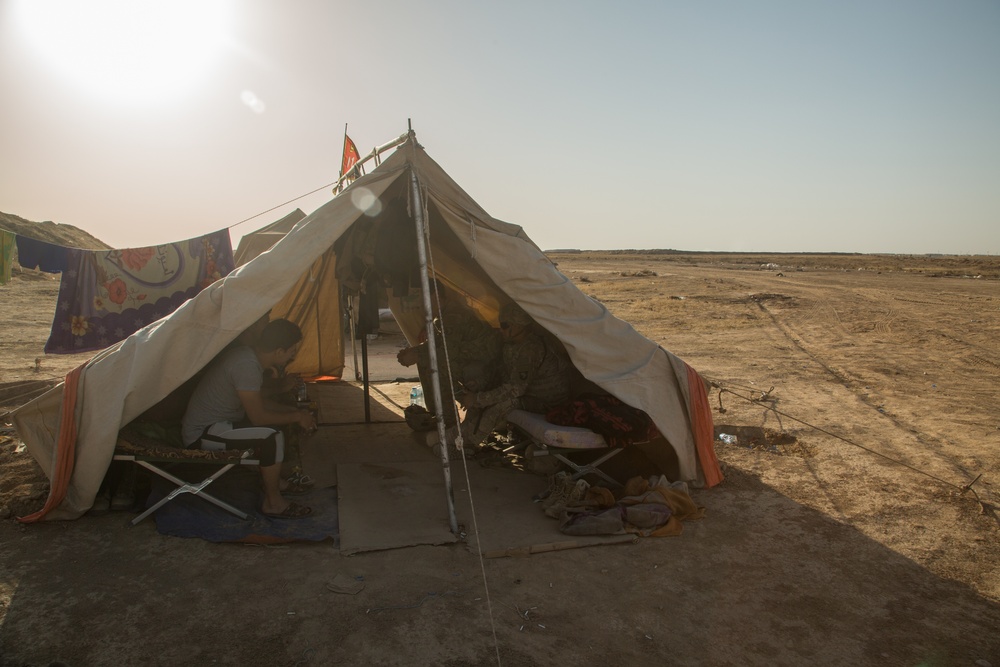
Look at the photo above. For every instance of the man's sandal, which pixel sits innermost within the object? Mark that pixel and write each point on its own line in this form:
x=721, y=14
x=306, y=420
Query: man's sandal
x=293, y=511
x=298, y=479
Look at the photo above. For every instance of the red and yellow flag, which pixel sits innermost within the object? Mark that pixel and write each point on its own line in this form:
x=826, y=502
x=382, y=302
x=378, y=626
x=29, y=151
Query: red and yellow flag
x=351, y=155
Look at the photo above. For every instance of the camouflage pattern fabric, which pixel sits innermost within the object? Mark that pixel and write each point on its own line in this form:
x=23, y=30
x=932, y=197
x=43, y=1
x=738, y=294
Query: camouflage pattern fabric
x=473, y=352
x=533, y=372
x=536, y=377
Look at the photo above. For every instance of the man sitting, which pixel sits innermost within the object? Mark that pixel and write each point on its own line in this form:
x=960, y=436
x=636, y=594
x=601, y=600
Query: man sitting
x=535, y=377
x=473, y=352
x=228, y=399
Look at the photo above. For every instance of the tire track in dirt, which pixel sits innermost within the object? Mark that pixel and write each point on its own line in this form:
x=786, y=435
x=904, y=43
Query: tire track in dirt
x=925, y=303
x=796, y=340
x=975, y=354
x=853, y=384
x=884, y=324
x=881, y=301
x=976, y=360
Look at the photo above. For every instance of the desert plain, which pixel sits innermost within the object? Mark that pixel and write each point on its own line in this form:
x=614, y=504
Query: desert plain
x=862, y=531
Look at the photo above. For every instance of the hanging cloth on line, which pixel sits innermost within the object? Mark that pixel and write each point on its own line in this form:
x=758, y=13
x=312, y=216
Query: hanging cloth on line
x=6, y=255
x=107, y=295
x=48, y=257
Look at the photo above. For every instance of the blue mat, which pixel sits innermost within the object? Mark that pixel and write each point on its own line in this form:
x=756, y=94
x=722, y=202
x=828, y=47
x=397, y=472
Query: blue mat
x=190, y=516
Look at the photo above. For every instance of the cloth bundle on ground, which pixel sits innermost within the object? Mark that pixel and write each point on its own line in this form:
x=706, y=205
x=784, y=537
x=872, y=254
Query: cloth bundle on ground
x=649, y=508
x=618, y=422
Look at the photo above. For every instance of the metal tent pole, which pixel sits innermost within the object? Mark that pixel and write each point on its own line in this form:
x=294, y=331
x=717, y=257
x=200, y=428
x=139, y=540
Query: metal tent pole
x=364, y=363
x=425, y=289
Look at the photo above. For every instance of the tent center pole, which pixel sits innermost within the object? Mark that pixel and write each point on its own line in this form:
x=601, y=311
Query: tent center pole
x=364, y=373
x=425, y=290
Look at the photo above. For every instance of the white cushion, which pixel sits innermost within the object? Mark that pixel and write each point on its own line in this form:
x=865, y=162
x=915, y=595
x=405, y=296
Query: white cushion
x=567, y=437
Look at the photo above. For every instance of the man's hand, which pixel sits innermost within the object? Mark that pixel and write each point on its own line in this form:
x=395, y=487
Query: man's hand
x=306, y=420
x=407, y=356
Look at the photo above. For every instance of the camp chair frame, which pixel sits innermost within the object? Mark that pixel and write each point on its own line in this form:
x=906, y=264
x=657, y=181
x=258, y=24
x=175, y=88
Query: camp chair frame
x=153, y=463
x=560, y=442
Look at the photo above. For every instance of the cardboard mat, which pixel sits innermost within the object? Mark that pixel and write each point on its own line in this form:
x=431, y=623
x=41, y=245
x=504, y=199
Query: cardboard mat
x=391, y=491
x=400, y=504
x=391, y=505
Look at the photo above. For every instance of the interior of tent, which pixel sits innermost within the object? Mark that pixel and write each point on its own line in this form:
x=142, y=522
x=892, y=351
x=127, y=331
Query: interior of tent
x=375, y=265
x=335, y=273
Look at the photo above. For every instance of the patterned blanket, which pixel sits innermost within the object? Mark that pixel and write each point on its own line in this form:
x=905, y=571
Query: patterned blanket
x=619, y=423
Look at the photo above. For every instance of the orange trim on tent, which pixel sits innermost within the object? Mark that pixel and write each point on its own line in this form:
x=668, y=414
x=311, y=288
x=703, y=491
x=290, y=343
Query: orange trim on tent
x=66, y=448
x=702, y=428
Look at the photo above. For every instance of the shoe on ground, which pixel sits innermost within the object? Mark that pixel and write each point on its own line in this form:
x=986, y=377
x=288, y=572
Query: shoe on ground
x=568, y=492
x=418, y=419
x=558, y=490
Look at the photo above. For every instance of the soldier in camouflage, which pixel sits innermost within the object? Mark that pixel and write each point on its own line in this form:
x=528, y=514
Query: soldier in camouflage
x=535, y=377
x=473, y=353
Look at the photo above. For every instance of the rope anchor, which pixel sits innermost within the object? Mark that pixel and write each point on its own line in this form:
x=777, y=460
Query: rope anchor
x=968, y=487
x=985, y=508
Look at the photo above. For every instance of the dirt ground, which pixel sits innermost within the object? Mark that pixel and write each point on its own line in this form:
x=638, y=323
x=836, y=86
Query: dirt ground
x=843, y=535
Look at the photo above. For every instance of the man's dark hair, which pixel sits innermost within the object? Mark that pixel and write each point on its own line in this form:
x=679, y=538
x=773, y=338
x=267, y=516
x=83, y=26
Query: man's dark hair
x=279, y=334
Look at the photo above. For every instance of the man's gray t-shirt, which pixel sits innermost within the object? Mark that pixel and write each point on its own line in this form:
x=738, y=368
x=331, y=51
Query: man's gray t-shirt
x=216, y=399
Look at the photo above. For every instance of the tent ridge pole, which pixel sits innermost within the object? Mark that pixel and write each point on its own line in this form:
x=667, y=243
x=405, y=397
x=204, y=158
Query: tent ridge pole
x=355, y=171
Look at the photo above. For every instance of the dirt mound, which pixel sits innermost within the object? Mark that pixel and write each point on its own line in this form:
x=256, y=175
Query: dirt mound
x=50, y=232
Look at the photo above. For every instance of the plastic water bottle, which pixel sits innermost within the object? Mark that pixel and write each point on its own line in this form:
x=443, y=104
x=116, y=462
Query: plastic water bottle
x=417, y=396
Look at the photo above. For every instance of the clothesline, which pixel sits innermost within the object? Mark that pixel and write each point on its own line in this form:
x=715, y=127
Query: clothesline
x=237, y=224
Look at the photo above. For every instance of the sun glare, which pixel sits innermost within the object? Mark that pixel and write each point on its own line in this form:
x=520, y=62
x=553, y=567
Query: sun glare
x=128, y=51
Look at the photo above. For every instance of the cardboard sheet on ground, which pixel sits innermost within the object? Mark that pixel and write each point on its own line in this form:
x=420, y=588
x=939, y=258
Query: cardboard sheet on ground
x=391, y=487
x=391, y=505
x=395, y=505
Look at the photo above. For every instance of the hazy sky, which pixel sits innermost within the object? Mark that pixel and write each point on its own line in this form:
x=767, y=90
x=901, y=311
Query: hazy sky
x=867, y=126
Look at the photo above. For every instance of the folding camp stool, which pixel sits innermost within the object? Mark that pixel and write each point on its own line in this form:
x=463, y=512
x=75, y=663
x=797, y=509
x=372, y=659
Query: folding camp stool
x=561, y=442
x=153, y=456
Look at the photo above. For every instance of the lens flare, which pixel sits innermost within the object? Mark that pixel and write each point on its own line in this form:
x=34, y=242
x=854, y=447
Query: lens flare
x=366, y=202
x=249, y=98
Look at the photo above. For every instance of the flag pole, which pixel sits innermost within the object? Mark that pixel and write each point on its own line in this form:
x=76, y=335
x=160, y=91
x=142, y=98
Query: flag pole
x=343, y=152
x=350, y=304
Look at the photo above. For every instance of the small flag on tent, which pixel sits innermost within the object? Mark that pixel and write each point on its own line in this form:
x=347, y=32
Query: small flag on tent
x=351, y=155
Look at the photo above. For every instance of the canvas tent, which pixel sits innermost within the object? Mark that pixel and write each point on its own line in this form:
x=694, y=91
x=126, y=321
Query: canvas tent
x=261, y=240
x=301, y=278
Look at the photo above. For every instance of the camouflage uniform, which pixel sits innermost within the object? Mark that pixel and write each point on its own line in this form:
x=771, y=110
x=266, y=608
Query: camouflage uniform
x=537, y=377
x=473, y=353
